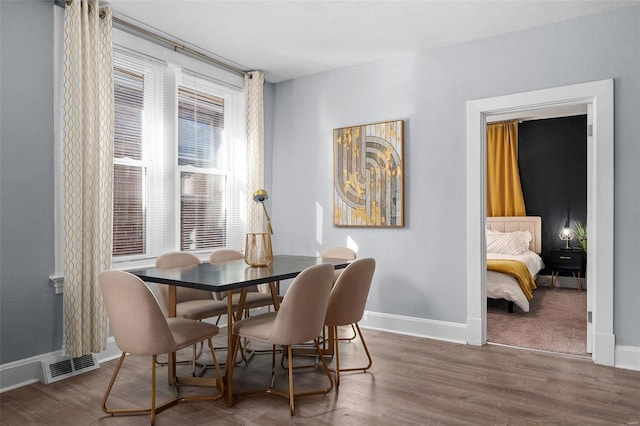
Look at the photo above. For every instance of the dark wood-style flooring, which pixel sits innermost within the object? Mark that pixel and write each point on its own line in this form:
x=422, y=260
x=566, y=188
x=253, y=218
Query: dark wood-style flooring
x=413, y=381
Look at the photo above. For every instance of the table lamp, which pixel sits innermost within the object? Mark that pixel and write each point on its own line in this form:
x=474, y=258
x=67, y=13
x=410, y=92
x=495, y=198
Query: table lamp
x=566, y=234
x=258, y=250
x=259, y=197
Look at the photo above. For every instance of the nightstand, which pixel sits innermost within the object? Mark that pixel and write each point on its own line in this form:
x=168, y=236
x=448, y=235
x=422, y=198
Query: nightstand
x=569, y=261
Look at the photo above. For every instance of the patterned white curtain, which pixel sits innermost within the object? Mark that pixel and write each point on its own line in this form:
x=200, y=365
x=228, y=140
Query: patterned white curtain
x=254, y=104
x=88, y=171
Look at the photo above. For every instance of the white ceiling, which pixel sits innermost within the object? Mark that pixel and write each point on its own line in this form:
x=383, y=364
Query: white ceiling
x=289, y=39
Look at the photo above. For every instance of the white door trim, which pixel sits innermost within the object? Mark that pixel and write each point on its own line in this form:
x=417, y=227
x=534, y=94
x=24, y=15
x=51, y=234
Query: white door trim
x=600, y=187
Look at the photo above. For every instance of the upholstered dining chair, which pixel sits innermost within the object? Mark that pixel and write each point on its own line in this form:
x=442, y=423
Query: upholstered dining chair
x=299, y=319
x=140, y=328
x=346, y=305
x=338, y=252
x=190, y=303
x=254, y=298
x=346, y=253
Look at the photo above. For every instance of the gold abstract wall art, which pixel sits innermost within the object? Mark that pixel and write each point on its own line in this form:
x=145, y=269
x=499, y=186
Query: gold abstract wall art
x=368, y=178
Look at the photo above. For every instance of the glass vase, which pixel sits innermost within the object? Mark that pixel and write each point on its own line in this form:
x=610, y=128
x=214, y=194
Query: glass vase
x=257, y=249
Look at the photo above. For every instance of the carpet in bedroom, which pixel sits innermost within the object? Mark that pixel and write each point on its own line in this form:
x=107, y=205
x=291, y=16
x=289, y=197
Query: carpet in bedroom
x=556, y=322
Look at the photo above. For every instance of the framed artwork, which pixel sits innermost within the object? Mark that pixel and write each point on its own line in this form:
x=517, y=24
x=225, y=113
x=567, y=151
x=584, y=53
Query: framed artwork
x=368, y=178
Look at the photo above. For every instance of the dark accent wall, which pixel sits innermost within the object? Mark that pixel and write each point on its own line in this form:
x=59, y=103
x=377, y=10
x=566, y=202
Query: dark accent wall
x=552, y=157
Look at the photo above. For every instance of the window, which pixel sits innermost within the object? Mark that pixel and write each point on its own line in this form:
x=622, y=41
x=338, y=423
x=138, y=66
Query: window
x=201, y=162
x=178, y=160
x=179, y=154
x=128, y=168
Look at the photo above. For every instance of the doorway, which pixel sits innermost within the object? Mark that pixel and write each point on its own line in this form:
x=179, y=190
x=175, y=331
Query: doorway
x=552, y=162
x=598, y=96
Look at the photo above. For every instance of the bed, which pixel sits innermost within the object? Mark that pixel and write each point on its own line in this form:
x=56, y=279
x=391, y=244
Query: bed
x=501, y=285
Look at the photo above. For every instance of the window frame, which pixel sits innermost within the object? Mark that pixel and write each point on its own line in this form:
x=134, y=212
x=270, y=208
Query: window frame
x=231, y=88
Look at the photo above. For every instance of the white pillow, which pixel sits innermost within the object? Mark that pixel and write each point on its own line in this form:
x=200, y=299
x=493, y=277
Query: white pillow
x=513, y=243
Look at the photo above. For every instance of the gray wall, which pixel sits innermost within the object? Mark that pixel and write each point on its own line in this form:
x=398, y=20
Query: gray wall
x=30, y=312
x=421, y=268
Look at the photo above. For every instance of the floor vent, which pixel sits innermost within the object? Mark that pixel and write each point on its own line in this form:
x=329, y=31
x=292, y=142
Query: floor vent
x=59, y=368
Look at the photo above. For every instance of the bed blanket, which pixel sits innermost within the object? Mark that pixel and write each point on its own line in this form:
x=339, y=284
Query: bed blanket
x=516, y=269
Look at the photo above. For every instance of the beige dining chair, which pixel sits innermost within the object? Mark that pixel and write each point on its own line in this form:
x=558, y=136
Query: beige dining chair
x=299, y=319
x=338, y=252
x=346, y=305
x=190, y=303
x=140, y=328
x=345, y=253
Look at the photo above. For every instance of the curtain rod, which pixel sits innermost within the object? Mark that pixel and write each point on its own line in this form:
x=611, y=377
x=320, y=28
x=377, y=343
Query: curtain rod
x=177, y=47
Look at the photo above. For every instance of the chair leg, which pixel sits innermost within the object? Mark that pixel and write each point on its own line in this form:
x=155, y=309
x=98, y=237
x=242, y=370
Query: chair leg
x=291, y=395
x=153, y=410
x=193, y=361
x=291, y=392
x=165, y=363
x=326, y=369
x=366, y=349
x=153, y=390
x=273, y=364
x=195, y=354
x=349, y=338
x=219, y=381
x=110, y=386
x=336, y=351
x=243, y=352
x=217, y=366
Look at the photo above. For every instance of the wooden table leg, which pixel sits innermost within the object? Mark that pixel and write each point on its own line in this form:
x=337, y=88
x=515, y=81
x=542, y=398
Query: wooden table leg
x=332, y=340
x=274, y=288
x=171, y=361
x=232, y=317
x=228, y=386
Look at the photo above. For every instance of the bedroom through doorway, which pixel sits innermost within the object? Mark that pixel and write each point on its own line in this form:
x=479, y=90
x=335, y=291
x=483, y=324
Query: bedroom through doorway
x=551, y=146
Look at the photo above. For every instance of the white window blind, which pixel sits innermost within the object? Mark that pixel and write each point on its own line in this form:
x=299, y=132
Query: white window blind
x=139, y=136
x=209, y=182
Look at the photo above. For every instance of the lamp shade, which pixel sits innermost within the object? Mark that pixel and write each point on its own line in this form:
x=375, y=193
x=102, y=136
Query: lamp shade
x=260, y=195
x=566, y=234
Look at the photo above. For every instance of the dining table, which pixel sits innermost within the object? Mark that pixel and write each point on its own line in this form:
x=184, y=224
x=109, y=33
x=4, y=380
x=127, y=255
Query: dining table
x=228, y=276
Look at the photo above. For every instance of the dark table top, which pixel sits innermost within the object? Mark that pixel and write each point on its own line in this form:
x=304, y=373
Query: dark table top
x=234, y=274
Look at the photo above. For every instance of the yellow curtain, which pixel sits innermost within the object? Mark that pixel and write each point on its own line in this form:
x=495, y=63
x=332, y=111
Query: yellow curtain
x=504, y=191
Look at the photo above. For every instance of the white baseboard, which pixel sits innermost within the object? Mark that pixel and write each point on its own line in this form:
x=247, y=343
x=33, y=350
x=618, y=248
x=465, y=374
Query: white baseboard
x=604, y=349
x=628, y=357
x=420, y=327
x=26, y=371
